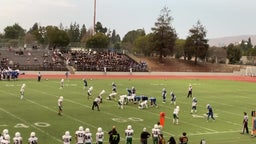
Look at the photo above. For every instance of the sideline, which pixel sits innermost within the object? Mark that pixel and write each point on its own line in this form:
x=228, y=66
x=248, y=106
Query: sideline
x=138, y=75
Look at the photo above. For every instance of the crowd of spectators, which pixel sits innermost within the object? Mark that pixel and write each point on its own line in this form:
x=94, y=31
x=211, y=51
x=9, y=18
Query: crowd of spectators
x=86, y=60
x=98, y=60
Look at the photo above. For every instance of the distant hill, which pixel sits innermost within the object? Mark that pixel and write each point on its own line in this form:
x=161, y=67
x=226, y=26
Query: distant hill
x=224, y=41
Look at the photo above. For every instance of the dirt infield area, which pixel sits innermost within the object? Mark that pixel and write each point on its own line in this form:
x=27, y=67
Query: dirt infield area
x=146, y=75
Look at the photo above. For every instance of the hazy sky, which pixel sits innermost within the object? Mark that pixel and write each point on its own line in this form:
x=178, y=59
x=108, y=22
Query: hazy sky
x=220, y=17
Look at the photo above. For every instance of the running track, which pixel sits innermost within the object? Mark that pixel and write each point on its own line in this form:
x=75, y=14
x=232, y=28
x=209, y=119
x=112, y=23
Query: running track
x=115, y=75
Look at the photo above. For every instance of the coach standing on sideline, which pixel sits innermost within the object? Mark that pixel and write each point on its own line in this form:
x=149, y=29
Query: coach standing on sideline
x=144, y=136
x=245, y=123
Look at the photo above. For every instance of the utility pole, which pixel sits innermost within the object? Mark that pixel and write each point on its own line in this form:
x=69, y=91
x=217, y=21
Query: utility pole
x=94, y=17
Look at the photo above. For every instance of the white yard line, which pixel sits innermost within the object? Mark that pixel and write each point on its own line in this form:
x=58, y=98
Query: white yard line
x=210, y=133
x=24, y=121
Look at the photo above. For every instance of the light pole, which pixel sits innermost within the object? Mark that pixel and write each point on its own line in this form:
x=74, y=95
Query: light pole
x=94, y=17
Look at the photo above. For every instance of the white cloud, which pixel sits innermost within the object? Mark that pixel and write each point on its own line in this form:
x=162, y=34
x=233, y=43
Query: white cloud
x=58, y=3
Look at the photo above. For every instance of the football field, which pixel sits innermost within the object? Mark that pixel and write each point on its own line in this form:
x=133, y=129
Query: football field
x=37, y=111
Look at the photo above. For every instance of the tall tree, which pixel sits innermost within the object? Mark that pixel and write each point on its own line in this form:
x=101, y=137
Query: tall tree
x=179, y=48
x=37, y=33
x=196, y=42
x=114, y=40
x=144, y=45
x=234, y=53
x=164, y=35
x=83, y=33
x=99, y=40
x=74, y=32
x=14, y=32
x=56, y=37
x=130, y=37
x=100, y=29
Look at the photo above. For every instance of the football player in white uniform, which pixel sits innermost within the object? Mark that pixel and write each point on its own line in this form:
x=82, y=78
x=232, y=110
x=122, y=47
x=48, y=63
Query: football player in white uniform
x=88, y=136
x=96, y=103
x=101, y=93
x=160, y=127
x=60, y=106
x=114, y=87
x=4, y=133
x=155, y=133
x=128, y=134
x=189, y=91
x=143, y=104
x=61, y=83
x=66, y=138
x=89, y=92
x=17, y=139
x=112, y=95
x=175, y=115
x=22, y=89
x=194, y=104
x=32, y=139
x=6, y=139
x=99, y=136
x=80, y=135
x=121, y=101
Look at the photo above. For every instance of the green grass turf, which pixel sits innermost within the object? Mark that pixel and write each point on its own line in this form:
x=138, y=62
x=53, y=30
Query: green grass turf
x=38, y=110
